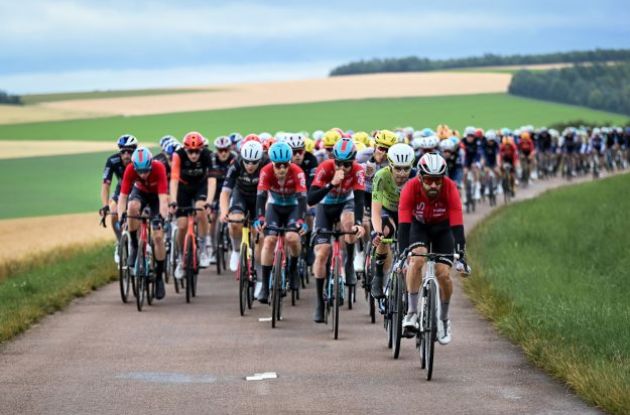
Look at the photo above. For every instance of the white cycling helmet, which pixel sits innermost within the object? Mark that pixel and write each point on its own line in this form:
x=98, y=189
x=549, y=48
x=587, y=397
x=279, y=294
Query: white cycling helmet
x=318, y=135
x=252, y=151
x=447, y=145
x=491, y=135
x=264, y=136
x=432, y=164
x=469, y=131
x=416, y=143
x=294, y=140
x=222, y=142
x=429, y=143
x=401, y=155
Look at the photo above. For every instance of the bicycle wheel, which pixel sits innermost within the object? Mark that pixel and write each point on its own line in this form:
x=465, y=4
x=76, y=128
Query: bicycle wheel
x=150, y=284
x=124, y=272
x=276, y=295
x=218, y=250
x=397, y=316
x=141, y=275
x=189, y=267
x=243, y=281
x=337, y=290
x=429, y=332
x=389, y=312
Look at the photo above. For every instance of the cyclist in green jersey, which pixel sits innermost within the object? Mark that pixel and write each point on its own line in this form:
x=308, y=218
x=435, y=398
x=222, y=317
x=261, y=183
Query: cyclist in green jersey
x=386, y=187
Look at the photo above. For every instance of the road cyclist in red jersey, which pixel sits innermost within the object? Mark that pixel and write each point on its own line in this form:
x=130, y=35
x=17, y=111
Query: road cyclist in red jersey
x=144, y=184
x=430, y=217
x=280, y=202
x=338, y=191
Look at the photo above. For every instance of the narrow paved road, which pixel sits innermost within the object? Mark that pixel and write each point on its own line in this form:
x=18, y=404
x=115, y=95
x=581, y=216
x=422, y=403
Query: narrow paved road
x=101, y=356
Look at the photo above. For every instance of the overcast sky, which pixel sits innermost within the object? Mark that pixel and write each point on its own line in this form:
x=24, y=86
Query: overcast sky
x=84, y=45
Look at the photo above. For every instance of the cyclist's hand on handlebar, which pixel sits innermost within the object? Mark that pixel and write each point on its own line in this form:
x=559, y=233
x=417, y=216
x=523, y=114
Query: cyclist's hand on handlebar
x=303, y=227
x=224, y=218
x=259, y=224
x=376, y=241
x=172, y=208
x=358, y=229
x=104, y=210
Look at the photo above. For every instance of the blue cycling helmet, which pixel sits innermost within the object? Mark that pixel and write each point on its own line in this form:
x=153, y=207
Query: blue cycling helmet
x=141, y=159
x=235, y=137
x=344, y=150
x=427, y=132
x=280, y=152
x=165, y=140
x=127, y=141
x=171, y=147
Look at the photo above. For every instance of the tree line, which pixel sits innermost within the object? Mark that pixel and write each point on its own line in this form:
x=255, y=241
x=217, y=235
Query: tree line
x=417, y=64
x=599, y=86
x=5, y=98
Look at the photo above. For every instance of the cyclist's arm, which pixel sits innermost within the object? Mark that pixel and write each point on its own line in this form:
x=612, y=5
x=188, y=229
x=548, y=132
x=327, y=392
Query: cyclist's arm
x=212, y=189
x=405, y=207
x=105, y=193
x=162, y=188
x=129, y=177
x=122, y=204
x=300, y=191
x=456, y=216
x=377, y=208
x=316, y=193
x=359, y=195
x=175, y=171
x=301, y=199
x=163, y=197
x=224, y=200
x=261, y=201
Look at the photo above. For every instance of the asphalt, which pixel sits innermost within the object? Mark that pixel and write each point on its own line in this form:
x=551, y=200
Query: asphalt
x=100, y=356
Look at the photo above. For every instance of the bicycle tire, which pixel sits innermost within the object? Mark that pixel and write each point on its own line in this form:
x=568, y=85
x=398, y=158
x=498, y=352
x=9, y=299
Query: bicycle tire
x=276, y=295
x=218, y=248
x=372, y=303
x=431, y=331
x=243, y=281
x=397, y=317
x=141, y=275
x=124, y=272
x=188, y=266
x=337, y=289
x=151, y=283
x=388, y=320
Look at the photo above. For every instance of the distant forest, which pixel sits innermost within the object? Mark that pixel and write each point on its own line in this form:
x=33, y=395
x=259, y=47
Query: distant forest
x=9, y=99
x=415, y=64
x=599, y=86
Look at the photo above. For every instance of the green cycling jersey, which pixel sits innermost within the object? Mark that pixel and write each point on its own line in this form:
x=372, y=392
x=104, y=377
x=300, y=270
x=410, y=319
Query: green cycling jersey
x=385, y=190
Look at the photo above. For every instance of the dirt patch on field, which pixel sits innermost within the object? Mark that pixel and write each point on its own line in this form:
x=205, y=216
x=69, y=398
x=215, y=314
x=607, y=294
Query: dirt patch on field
x=289, y=92
x=13, y=114
x=23, y=237
x=19, y=149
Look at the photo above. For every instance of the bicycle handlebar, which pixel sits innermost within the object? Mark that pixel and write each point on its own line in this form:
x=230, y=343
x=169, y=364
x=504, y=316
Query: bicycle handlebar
x=281, y=229
x=336, y=234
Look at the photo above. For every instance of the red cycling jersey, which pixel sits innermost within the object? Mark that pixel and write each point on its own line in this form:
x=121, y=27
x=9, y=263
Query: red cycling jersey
x=155, y=183
x=414, y=203
x=355, y=180
x=508, y=152
x=526, y=145
x=282, y=193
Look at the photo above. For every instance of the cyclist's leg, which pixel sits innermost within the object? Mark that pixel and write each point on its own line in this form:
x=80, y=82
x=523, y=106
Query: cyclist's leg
x=266, y=257
x=419, y=238
x=113, y=219
x=159, y=249
x=443, y=242
x=383, y=257
x=323, y=221
x=135, y=204
x=347, y=222
x=293, y=244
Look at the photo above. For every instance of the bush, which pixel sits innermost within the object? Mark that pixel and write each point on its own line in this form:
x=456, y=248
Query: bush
x=9, y=99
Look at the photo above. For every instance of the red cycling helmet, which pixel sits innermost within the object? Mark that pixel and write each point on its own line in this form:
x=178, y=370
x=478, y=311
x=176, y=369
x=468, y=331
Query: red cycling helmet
x=194, y=141
x=252, y=137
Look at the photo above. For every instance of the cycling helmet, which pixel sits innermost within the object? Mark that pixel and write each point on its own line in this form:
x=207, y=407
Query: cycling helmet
x=432, y=164
x=447, y=145
x=252, y=150
x=469, y=130
x=164, y=140
x=479, y=132
x=429, y=143
x=505, y=131
x=491, y=135
x=361, y=137
x=268, y=143
x=401, y=155
x=193, y=140
x=455, y=140
x=426, y=132
x=309, y=145
x=171, y=147
x=141, y=159
x=331, y=137
x=222, y=142
x=280, y=152
x=402, y=137
x=251, y=137
x=127, y=141
x=295, y=140
x=235, y=138
x=416, y=143
x=443, y=131
x=318, y=135
x=264, y=136
x=525, y=135
x=344, y=150
x=386, y=138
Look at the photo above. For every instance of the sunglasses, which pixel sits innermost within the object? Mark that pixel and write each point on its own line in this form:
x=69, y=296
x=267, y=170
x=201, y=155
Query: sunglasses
x=346, y=164
x=399, y=168
x=280, y=165
x=223, y=150
x=143, y=171
x=298, y=152
x=192, y=152
x=382, y=149
x=126, y=151
x=329, y=149
x=250, y=162
x=432, y=180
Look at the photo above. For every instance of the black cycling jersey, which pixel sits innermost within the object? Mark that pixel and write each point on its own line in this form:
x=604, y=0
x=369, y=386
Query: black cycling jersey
x=113, y=166
x=309, y=165
x=489, y=152
x=163, y=158
x=194, y=173
x=544, y=141
x=237, y=177
x=219, y=170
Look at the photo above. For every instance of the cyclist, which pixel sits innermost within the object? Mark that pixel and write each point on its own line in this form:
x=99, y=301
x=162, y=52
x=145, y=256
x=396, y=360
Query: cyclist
x=386, y=188
x=238, y=195
x=340, y=186
x=222, y=157
x=454, y=156
x=144, y=183
x=285, y=184
x=169, y=145
x=508, y=155
x=527, y=150
x=490, y=158
x=189, y=185
x=235, y=139
x=328, y=142
x=430, y=215
x=115, y=165
x=472, y=156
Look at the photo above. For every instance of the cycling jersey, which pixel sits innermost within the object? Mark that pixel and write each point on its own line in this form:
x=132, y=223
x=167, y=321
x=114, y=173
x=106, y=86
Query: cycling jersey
x=414, y=203
x=113, y=166
x=489, y=152
x=155, y=183
x=308, y=166
x=219, y=170
x=189, y=172
x=526, y=146
x=385, y=190
x=366, y=159
x=471, y=151
x=354, y=180
x=237, y=177
x=508, y=153
x=286, y=193
x=163, y=158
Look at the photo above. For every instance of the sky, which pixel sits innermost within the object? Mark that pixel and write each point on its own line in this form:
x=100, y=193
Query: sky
x=71, y=45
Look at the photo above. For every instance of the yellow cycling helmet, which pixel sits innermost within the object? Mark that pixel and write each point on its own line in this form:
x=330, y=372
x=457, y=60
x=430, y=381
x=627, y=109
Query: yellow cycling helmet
x=443, y=132
x=361, y=137
x=360, y=146
x=331, y=137
x=309, y=145
x=386, y=138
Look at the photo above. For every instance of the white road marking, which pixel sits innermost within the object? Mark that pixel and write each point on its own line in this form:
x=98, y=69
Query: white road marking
x=262, y=376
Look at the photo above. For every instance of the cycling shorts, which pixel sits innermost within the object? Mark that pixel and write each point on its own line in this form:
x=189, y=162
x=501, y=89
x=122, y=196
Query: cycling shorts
x=147, y=199
x=436, y=237
x=187, y=195
x=326, y=216
x=243, y=204
x=281, y=217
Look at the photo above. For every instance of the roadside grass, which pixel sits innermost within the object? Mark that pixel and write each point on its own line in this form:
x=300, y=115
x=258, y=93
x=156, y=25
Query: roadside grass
x=30, y=99
x=46, y=287
x=552, y=274
x=485, y=110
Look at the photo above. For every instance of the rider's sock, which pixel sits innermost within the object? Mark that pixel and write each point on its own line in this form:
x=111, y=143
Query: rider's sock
x=413, y=303
x=266, y=273
x=319, y=284
x=380, y=264
x=134, y=239
x=444, y=314
x=159, y=268
x=349, y=259
x=293, y=261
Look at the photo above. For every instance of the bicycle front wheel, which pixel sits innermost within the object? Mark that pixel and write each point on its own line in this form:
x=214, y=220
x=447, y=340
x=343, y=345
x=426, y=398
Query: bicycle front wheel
x=397, y=316
x=189, y=267
x=276, y=295
x=141, y=275
x=429, y=332
x=243, y=281
x=337, y=290
x=124, y=272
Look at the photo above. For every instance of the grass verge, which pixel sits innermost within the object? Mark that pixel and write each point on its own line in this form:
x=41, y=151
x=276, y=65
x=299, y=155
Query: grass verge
x=43, y=287
x=552, y=274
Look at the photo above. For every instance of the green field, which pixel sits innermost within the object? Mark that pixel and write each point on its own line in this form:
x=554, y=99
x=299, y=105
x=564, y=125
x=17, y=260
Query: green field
x=65, y=96
x=552, y=273
x=487, y=110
